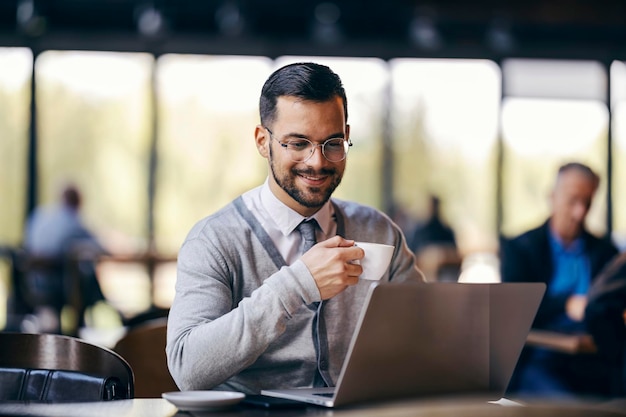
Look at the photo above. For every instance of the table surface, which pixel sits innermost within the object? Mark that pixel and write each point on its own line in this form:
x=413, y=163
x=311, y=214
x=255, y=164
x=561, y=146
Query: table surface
x=157, y=407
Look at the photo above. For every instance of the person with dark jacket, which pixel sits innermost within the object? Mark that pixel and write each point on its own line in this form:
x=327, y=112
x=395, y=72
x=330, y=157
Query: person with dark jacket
x=432, y=232
x=566, y=257
x=605, y=319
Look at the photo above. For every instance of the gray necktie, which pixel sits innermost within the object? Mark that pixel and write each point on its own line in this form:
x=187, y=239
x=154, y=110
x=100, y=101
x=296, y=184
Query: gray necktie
x=307, y=230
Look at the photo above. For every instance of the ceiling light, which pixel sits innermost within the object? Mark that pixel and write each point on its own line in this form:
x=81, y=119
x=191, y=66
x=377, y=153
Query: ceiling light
x=423, y=32
x=499, y=36
x=28, y=20
x=150, y=21
x=325, y=26
x=229, y=19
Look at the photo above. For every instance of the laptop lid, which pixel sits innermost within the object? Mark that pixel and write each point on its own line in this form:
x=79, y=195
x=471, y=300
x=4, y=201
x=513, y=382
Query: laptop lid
x=423, y=340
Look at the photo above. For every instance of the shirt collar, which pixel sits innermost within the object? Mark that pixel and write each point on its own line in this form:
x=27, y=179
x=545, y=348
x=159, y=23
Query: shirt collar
x=287, y=219
x=577, y=247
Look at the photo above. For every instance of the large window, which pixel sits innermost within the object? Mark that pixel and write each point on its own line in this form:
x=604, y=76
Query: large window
x=122, y=125
x=94, y=127
x=618, y=100
x=553, y=113
x=206, y=151
x=15, y=80
x=444, y=129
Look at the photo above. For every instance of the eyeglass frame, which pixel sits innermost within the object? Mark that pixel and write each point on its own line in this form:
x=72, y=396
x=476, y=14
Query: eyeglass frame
x=346, y=146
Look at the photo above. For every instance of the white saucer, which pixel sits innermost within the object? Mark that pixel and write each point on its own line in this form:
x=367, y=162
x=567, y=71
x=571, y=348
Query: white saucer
x=202, y=400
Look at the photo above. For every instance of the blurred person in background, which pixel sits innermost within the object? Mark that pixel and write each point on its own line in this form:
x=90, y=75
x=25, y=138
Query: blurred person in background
x=566, y=257
x=60, y=244
x=433, y=231
x=434, y=245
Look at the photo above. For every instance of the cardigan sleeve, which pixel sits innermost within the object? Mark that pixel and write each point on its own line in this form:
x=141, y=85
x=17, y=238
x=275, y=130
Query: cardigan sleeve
x=210, y=338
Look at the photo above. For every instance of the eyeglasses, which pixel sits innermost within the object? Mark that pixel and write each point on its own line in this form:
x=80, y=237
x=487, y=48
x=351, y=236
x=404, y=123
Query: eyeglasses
x=301, y=150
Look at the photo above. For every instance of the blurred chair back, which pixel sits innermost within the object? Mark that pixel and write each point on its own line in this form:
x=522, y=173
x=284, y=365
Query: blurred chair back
x=56, y=368
x=51, y=282
x=439, y=262
x=143, y=347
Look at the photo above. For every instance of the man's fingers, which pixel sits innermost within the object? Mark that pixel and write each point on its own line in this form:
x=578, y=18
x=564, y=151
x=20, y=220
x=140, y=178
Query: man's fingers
x=337, y=242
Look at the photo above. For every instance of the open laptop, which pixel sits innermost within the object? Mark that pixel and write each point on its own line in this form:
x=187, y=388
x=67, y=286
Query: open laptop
x=427, y=340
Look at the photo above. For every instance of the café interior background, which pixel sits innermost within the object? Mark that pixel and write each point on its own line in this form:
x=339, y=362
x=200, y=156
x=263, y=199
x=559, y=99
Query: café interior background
x=151, y=106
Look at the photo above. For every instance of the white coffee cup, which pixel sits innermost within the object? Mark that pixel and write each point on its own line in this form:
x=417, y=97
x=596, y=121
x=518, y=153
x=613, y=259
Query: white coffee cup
x=376, y=260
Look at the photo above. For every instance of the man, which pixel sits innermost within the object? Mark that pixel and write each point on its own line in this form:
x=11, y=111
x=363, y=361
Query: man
x=564, y=255
x=253, y=308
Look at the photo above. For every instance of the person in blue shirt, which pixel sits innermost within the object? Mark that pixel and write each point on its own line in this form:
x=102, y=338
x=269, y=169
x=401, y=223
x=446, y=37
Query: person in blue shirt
x=566, y=257
x=56, y=233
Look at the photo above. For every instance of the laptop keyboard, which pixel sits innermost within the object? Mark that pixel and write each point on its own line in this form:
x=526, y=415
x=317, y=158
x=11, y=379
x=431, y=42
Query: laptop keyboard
x=324, y=394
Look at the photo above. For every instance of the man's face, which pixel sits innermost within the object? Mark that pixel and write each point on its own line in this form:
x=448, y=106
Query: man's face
x=571, y=200
x=303, y=186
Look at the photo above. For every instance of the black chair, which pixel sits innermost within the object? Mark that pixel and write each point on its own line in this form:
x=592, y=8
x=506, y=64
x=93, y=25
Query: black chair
x=56, y=368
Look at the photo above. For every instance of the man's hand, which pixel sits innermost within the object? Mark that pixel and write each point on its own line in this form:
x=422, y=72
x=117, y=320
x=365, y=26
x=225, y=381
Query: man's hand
x=575, y=307
x=329, y=263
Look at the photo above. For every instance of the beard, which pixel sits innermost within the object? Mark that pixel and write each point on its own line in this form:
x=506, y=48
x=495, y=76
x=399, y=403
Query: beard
x=310, y=197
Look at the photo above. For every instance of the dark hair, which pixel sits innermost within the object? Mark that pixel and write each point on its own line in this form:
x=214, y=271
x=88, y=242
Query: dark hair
x=71, y=197
x=582, y=168
x=308, y=81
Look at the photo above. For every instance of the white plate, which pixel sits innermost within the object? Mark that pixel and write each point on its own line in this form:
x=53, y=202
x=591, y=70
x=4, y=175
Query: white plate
x=202, y=400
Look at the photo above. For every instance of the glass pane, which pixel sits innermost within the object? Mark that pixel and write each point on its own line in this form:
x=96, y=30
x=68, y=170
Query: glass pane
x=539, y=135
x=444, y=120
x=556, y=79
x=94, y=112
x=554, y=113
x=365, y=81
x=15, y=75
x=618, y=90
x=95, y=129
x=207, y=156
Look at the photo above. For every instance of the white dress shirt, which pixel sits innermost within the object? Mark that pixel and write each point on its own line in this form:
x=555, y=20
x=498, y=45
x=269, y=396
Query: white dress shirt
x=280, y=222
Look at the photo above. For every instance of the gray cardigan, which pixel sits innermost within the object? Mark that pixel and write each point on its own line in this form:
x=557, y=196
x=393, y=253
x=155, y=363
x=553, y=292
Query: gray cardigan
x=244, y=320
